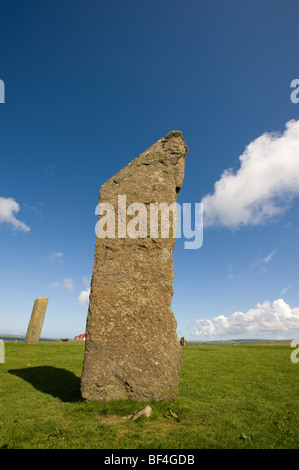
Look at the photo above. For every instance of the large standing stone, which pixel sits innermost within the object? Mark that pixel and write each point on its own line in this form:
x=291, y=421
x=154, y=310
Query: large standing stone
x=132, y=350
x=36, y=320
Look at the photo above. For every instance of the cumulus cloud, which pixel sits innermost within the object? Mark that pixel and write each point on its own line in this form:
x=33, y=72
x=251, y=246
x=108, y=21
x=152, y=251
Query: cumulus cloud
x=83, y=298
x=68, y=284
x=264, y=185
x=277, y=317
x=7, y=208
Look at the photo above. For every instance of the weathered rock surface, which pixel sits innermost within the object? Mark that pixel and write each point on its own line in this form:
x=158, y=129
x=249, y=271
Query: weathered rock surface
x=132, y=350
x=37, y=320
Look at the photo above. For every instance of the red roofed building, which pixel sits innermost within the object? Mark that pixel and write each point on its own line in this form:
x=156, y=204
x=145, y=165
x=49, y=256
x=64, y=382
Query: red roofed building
x=81, y=337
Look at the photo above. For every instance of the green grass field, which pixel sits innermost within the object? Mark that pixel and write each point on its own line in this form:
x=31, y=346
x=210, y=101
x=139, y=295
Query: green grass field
x=243, y=396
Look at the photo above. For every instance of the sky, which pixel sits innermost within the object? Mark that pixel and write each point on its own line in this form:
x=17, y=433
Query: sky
x=89, y=85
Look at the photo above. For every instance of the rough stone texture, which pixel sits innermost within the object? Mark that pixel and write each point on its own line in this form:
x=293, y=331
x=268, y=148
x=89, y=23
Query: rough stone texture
x=36, y=320
x=183, y=341
x=132, y=350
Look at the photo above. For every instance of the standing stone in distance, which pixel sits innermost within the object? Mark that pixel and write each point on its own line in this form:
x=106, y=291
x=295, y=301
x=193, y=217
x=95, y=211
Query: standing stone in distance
x=183, y=341
x=2, y=351
x=36, y=320
x=132, y=350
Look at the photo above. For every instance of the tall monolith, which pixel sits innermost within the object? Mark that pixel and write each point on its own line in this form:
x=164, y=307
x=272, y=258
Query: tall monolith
x=132, y=350
x=37, y=320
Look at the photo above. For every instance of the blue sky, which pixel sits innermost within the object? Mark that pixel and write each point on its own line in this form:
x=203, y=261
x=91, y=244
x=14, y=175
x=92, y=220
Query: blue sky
x=91, y=85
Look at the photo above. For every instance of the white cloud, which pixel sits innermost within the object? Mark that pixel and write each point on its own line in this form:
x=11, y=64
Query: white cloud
x=56, y=256
x=263, y=187
x=277, y=317
x=68, y=284
x=7, y=208
x=83, y=298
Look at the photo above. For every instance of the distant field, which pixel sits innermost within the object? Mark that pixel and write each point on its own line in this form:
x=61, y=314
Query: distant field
x=231, y=396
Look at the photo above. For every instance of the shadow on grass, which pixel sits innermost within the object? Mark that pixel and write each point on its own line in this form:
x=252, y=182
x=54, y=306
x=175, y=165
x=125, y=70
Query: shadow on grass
x=60, y=383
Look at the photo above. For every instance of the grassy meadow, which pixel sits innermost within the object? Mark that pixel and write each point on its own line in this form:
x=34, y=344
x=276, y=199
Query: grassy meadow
x=231, y=396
